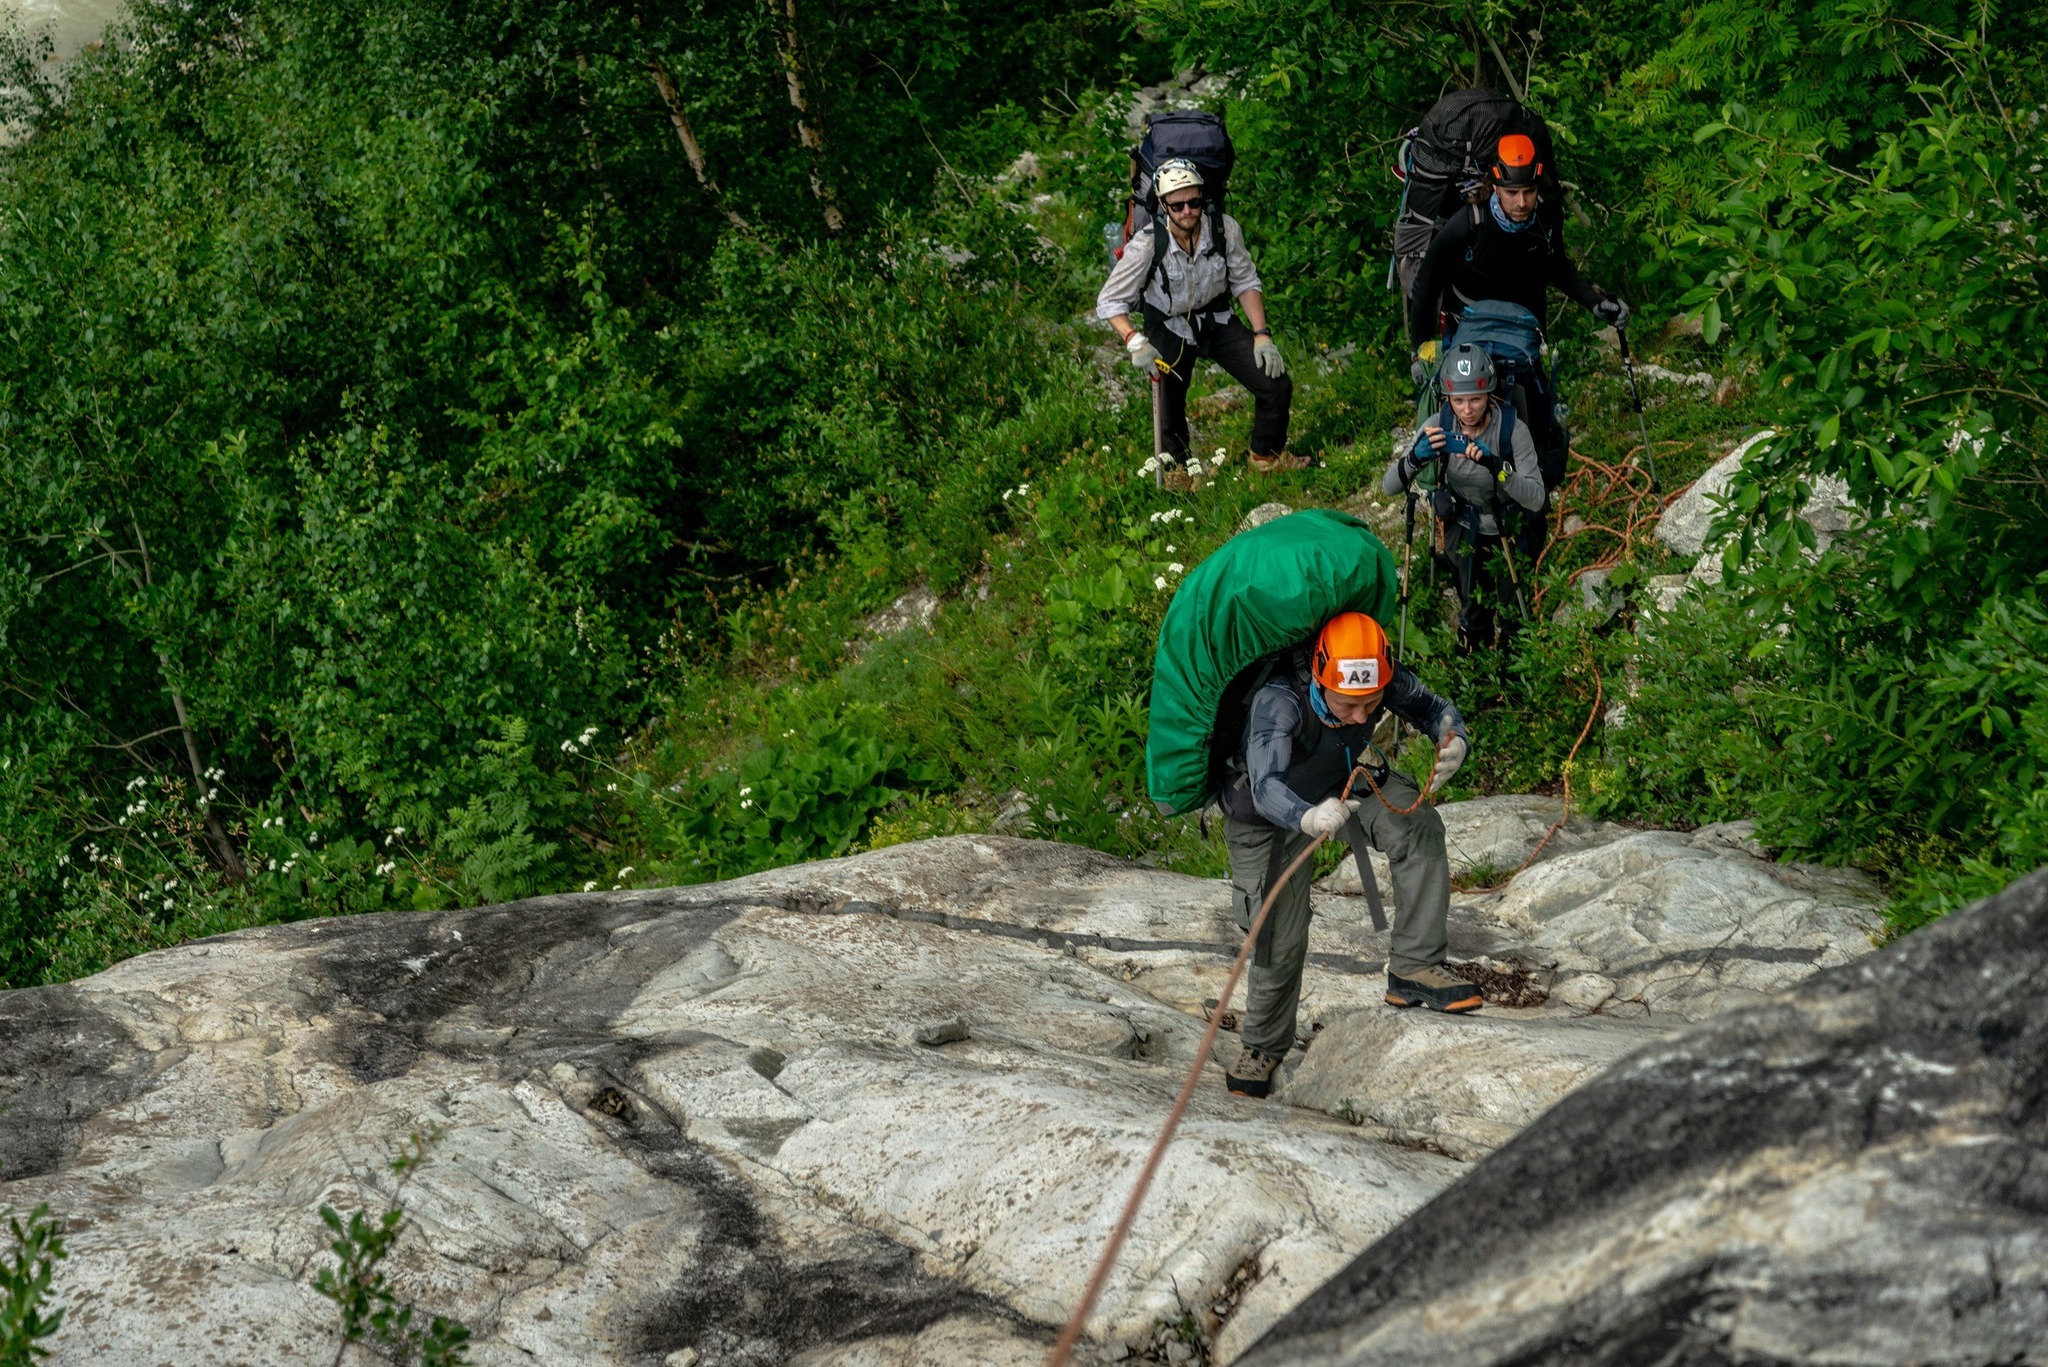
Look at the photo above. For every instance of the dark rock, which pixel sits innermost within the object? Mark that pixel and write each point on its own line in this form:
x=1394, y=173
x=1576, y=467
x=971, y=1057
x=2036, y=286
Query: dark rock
x=1855, y=1172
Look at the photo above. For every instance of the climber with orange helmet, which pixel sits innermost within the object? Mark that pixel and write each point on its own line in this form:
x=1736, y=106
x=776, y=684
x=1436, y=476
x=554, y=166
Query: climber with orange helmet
x=1307, y=729
x=1501, y=248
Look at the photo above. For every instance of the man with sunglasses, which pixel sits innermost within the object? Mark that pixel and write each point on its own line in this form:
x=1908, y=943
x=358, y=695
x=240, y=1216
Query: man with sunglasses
x=1180, y=282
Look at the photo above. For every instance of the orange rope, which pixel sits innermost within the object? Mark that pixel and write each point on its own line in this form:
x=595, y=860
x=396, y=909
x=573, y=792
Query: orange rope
x=1626, y=490
x=1599, y=692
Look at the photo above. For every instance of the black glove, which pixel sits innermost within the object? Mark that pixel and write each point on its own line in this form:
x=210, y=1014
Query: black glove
x=1612, y=312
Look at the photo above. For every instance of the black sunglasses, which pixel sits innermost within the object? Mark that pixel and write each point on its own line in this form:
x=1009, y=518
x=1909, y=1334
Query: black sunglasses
x=1186, y=206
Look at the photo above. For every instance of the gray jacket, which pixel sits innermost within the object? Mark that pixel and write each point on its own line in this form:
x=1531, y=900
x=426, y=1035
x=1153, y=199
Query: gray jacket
x=1470, y=480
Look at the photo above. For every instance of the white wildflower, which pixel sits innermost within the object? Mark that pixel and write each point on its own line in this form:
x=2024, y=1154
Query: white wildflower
x=568, y=747
x=168, y=904
x=398, y=830
x=589, y=734
x=1219, y=453
x=611, y=787
x=745, y=803
x=623, y=872
x=1105, y=448
x=1159, y=582
x=591, y=886
x=1170, y=548
x=1149, y=467
x=1176, y=568
x=745, y=791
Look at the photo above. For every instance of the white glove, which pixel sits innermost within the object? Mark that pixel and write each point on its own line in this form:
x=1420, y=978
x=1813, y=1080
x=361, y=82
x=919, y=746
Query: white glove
x=1144, y=355
x=1268, y=356
x=1326, y=818
x=1448, y=762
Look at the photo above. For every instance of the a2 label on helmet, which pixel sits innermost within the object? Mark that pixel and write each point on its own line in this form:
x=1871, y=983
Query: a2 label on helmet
x=1360, y=674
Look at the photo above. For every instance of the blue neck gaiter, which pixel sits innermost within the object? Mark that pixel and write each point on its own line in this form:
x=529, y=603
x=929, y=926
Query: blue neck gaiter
x=1506, y=224
x=1322, y=709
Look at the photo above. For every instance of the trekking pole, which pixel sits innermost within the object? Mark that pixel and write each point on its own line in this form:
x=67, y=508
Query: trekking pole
x=1508, y=550
x=1407, y=573
x=1628, y=365
x=1158, y=432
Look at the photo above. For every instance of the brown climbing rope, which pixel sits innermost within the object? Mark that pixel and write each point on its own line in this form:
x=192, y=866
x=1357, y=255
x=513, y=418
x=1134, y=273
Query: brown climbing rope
x=1599, y=691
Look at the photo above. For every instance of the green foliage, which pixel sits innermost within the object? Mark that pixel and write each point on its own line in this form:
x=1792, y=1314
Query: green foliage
x=26, y=1271
x=390, y=405
x=370, y=1310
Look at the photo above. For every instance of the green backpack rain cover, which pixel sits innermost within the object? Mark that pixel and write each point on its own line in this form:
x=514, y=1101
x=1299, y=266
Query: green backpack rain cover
x=1261, y=592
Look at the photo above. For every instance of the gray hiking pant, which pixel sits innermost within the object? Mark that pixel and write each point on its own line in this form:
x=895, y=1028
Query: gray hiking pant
x=1259, y=853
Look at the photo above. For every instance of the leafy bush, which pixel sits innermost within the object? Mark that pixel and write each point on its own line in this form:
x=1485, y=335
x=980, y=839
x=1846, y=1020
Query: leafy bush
x=370, y=1309
x=26, y=1271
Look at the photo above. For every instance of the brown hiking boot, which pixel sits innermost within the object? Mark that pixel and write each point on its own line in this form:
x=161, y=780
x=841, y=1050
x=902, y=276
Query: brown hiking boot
x=1266, y=465
x=1252, y=1074
x=1435, y=988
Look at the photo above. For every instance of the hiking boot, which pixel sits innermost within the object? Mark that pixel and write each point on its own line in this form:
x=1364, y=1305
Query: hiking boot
x=1252, y=1074
x=1434, y=988
x=1266, y=465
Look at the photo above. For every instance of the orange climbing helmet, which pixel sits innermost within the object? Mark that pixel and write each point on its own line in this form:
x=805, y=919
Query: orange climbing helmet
x=1515, y=161
x=1352, y=656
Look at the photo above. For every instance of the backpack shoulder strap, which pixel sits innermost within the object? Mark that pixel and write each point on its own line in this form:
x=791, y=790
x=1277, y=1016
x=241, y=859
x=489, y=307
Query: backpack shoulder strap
x=1309, y=728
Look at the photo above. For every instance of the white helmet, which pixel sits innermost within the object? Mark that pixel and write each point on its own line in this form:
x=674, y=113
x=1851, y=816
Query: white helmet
x=1177, y=174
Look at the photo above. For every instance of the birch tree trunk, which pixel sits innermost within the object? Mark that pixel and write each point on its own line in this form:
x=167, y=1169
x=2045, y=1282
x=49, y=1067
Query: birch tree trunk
x=808, y=131
x=692, y=149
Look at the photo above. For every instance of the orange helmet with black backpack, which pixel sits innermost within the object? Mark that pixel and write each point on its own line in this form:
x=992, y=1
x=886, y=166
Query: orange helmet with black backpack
x=1352, y=657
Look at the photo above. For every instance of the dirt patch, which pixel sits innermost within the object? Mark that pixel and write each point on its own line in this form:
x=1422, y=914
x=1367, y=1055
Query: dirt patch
x=1503, y=982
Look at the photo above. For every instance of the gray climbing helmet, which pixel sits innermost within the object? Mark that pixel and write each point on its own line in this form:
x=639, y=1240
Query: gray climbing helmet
x=1467, y=369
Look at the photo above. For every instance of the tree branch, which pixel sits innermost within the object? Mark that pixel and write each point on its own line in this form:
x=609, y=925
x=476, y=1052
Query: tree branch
x=1514, y=86
x=223, y=845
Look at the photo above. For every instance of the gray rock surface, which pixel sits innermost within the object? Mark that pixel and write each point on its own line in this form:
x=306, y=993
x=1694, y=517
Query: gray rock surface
x=1492, y=836
x=879, y=1110
x=1850, y=1173
x=1684, y=525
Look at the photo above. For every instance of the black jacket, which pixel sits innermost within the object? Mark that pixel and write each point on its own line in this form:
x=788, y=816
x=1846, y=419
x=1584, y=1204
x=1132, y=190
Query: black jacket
x=1471, y=258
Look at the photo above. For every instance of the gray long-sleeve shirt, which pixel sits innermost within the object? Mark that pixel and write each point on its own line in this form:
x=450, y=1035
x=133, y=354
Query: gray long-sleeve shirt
x=1203, y=283
x=1472, y=482
x=1275, y=715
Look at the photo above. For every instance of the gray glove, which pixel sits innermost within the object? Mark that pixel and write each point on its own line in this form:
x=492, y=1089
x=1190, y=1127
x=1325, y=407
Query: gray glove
x=1143, y=354
x=1612, y=312
x=1449, y=761
x=1418, y=372
x=1268, y=357
x=1326, y=818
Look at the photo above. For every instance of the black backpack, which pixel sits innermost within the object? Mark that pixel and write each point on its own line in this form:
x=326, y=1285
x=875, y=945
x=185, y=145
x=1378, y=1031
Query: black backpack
x=1451, y=148
x=1200, y=138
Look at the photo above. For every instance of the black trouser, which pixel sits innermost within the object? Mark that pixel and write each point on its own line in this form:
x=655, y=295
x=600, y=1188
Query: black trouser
x=1229, y=344
x=1478, y=565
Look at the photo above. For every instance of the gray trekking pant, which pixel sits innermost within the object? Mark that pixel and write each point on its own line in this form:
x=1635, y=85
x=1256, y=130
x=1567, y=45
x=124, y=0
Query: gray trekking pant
x=1414, y=846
